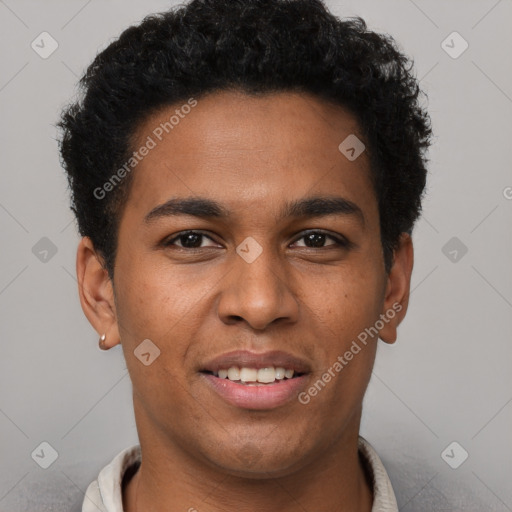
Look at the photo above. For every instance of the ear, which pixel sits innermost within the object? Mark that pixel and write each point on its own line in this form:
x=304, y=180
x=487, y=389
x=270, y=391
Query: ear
x=96, y=292
x=397, y=289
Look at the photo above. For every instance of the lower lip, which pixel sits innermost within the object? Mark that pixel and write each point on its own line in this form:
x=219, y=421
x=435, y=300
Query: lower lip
x=266, y=396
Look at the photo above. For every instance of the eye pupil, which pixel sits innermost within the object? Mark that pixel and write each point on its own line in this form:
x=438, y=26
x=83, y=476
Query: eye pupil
x=188, y=239
x=318, y=239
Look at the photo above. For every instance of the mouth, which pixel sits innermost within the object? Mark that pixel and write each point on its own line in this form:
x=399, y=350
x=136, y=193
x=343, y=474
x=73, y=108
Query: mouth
x=252, y=380
x=255, y=376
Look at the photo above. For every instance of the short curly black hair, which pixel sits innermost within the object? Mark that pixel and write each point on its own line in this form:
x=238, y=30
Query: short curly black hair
x=257, y=47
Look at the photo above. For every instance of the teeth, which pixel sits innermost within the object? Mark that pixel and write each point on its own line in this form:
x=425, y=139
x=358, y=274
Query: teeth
x=266, y=375
x=234, y=373
x=280, y=373
x=263, y=375
x=248, y=374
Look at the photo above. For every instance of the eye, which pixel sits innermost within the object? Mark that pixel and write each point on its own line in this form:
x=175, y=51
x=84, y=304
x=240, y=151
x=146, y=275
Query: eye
x=316, y=240
x=188, y=240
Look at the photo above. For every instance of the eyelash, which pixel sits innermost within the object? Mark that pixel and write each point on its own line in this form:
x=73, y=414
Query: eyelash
x=340, y=241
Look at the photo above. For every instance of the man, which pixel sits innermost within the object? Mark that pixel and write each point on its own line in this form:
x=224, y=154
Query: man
x=246, y=175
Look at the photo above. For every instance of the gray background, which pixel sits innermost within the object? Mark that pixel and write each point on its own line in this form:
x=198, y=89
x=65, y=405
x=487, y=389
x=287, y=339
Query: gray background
x=446, y=379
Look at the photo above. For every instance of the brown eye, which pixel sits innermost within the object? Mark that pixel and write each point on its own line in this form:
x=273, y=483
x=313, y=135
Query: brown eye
x=317, y=240
x=188, y=240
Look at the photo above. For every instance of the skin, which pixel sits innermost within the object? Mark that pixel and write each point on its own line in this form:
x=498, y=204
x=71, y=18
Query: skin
x=252, y=154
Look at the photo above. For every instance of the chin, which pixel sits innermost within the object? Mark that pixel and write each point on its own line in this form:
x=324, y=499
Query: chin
x=253, y=464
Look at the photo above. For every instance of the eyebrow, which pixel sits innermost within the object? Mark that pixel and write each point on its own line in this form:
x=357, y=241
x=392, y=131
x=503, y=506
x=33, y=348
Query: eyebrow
x=205, y=208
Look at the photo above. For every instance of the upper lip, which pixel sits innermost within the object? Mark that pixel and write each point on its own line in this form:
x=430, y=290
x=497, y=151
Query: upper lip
x=247, y=359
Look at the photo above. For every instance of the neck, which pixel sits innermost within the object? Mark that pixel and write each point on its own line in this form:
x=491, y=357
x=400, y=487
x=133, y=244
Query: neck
x=170, y=479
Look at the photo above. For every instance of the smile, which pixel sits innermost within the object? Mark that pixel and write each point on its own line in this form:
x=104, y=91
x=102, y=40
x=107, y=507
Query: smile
x=252, y=394
x=267, y=375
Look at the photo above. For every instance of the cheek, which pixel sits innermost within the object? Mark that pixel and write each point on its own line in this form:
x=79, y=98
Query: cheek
x=165, y=308
x=153, y=299
x=349, y=301
x=151, y=309
x=342, y=313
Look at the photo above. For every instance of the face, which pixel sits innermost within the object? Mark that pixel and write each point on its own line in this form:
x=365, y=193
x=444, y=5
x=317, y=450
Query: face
x=282, y=254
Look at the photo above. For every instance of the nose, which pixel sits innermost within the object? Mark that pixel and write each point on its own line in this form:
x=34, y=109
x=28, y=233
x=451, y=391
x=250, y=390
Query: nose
x=258, y=293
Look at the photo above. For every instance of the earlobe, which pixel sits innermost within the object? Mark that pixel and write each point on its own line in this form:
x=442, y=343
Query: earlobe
x=96, y=292
x=398, y=289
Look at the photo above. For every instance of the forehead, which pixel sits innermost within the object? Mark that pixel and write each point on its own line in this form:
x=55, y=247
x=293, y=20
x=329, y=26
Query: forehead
x=248, y=151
